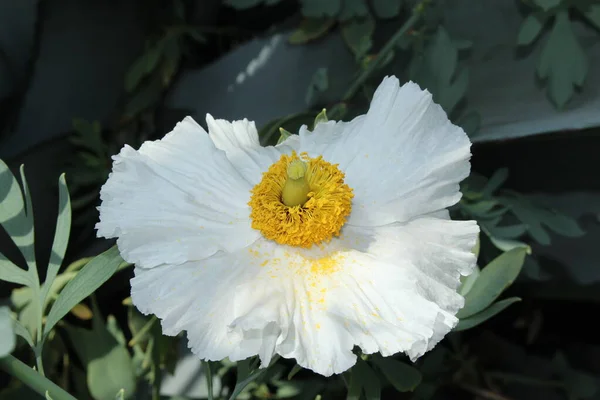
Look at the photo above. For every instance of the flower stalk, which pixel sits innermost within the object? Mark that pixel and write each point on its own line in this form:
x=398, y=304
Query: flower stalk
x=33, y=379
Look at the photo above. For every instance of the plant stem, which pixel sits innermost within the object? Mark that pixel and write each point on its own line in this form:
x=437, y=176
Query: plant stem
x=483, y=393
x=34, y=380
x=37, y=350
x=142, y=332
x=209, y=379
x=526, y=380
x=387, y=48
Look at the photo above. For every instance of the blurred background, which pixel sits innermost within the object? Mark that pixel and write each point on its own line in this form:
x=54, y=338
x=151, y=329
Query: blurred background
x=79, y=79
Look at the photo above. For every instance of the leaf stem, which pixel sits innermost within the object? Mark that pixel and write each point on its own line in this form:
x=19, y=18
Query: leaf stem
x=34, y=380
x=385, y=50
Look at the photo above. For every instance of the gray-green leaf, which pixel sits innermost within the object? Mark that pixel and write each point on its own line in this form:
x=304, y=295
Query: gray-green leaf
x=9, y=272
x=108, y=363
x=320, y=8
x=7, y=332
x=87, y=280
x=474, y=320
x=61, y=236
x=562, y=61
x=387, y=8
x=402, y=376
x=547, y=4
x=530, y=30
x=592, y=13
x=357, y=34
x=319, y=83
x=367, y=380
x=492, y=281
x=310, y=29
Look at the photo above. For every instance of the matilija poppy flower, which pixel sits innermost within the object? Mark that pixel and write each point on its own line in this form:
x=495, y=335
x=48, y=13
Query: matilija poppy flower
x=335, y=238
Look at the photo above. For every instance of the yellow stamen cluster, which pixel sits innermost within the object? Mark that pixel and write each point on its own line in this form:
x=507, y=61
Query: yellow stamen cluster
x=311, y=221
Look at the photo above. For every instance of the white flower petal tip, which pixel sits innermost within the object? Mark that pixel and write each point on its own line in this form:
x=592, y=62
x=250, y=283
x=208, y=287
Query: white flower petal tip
x=183, y=209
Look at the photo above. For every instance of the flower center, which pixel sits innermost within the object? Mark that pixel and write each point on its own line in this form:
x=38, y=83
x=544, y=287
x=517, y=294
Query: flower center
x=300, y=201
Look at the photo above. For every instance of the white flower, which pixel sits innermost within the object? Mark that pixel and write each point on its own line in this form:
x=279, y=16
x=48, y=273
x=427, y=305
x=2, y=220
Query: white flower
x=364, y=254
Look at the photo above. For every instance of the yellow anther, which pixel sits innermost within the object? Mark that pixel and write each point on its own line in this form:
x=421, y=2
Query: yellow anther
x=300, y=201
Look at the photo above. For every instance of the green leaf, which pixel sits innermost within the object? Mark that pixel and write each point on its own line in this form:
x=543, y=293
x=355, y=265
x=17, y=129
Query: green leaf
x=454, y=91
x=353, y=9
x=492, y=281
x=436, y=70
x=108, y=364
x=563, y=61
x=509, y=232
x=402, y=376
x=592, y=13
x=311, y=29
x=358, y=34
x=509, y=244
x=535, y=217
x=387, y=8
x=243, y=4
x=320, y=8
x=294, y=371
x=143, y=66
x=547, y=4
x=579, y=385
x=7, y=332
x=319, y=83
x=474, y=320
x=87, y=280
x=530, y=29
x=61, y=236
x=443, y=55
x=368, y=380
x=495, y=181
x=146, y=95
x=245, y=376
x=354, y=387
x=363, y=380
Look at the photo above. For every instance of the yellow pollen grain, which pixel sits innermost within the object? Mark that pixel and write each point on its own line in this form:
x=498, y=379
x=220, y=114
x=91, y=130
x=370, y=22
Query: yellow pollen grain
x=318, y=326
x=325, y=265
x=315, y=221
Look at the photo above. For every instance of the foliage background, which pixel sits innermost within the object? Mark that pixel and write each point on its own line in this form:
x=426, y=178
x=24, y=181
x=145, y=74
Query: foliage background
x=80, y=79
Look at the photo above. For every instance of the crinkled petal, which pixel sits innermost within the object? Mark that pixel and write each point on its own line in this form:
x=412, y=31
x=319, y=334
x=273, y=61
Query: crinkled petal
x=390, y=289
x=175, y=200
x=404, y=158
x=239, y=141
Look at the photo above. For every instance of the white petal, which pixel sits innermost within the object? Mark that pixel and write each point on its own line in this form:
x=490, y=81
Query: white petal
x=395, y=292
x=239, y=140
x=404, y=158
x=175, y=200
